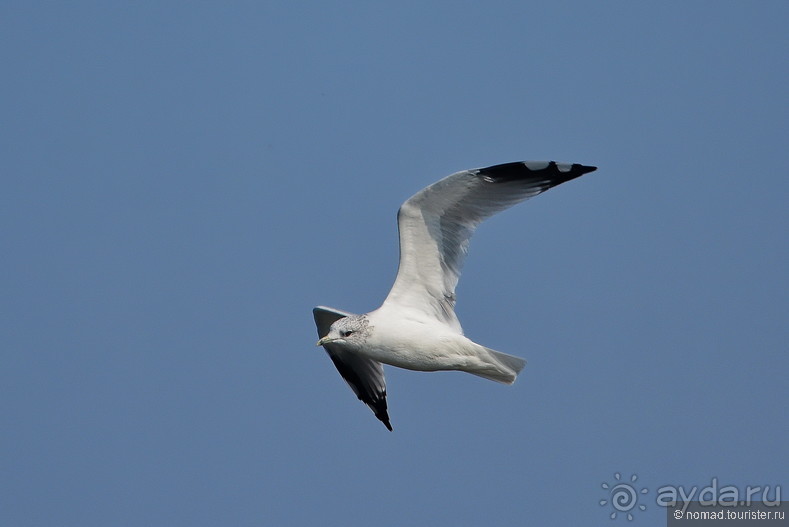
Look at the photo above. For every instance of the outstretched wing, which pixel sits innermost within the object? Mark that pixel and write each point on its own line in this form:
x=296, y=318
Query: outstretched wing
x=436, y=225
x=364, y=376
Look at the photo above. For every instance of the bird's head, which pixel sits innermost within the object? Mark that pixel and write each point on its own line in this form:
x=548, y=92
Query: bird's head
x=347, y=331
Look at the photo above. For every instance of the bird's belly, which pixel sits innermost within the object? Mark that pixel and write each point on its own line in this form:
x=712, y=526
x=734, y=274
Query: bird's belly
x=429, y=353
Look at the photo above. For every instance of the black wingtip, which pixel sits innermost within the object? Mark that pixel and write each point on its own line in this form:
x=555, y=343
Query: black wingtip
x=544, y=174
x=383, y=416
x=583, y=169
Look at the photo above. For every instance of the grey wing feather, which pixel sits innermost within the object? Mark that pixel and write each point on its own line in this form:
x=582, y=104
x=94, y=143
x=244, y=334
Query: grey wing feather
x=436, y=225
x=364, y=376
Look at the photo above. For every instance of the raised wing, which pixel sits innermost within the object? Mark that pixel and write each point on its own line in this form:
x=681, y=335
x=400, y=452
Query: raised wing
x=437, y=222
x=364, y=376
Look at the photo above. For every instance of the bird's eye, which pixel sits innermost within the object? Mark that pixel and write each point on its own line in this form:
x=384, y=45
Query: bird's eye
x=347, y=333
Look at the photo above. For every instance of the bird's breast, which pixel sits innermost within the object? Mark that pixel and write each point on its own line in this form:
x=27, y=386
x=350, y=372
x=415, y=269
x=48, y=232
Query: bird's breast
x=414, y=346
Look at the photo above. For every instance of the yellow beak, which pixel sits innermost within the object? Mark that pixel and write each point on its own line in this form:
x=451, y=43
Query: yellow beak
x=325, y=340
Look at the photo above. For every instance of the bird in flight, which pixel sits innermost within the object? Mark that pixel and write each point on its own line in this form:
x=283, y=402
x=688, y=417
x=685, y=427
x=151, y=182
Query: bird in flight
x=416, y=327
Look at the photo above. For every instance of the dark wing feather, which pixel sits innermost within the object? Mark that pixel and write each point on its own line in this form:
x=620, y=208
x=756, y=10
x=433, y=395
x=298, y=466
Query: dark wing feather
x=364, y=376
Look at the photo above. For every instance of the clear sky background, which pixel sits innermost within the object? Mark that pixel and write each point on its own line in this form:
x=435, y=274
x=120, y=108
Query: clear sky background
x=183, y=182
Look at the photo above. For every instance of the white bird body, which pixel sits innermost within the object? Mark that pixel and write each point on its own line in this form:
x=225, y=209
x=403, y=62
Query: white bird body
x=416, y=327
x=411, y=342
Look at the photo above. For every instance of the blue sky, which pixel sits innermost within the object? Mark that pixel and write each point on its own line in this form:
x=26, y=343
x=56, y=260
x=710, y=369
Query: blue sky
x=183, y=182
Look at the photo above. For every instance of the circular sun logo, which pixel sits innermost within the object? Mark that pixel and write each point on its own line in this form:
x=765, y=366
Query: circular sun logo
x=623, y=496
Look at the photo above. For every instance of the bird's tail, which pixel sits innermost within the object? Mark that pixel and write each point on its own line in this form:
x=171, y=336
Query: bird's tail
x=509, y=366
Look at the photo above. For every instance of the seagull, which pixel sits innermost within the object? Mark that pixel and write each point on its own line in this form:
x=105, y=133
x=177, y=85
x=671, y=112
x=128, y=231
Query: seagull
x=416, y=327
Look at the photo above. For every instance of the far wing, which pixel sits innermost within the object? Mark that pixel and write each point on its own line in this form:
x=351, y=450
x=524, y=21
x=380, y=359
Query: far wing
x=364, y=376
x=436, y=225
